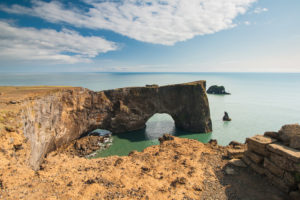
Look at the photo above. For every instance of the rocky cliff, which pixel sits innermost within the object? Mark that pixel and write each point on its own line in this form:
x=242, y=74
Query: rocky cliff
x=178, y=168
x=61, y=116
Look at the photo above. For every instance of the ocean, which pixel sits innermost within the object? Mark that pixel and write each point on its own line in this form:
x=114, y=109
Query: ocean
x=258, y=102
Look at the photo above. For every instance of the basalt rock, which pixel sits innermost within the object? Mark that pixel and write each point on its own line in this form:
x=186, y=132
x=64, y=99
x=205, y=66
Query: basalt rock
x=226, y=117
x=214, y=89
x=60, y=117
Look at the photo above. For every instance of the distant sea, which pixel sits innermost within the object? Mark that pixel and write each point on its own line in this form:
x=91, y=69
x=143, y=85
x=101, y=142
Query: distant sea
x=258, y=102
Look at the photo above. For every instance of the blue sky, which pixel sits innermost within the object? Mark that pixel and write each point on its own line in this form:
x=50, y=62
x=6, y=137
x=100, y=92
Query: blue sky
x=150, y=36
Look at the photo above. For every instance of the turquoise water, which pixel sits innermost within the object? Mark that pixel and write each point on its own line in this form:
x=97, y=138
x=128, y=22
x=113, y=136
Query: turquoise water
x=259, y=102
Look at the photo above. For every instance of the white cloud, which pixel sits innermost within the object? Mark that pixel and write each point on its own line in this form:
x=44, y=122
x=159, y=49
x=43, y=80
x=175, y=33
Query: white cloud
x=65, y=46
x=154, y=21
x=260, y=10
x=247, y=23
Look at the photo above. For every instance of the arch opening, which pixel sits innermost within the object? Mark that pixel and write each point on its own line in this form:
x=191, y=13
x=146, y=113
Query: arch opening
x=159, y=124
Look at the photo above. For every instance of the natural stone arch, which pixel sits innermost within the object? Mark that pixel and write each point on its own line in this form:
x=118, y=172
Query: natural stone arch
x=58, y=118
x=158, y=125
x=186, y=103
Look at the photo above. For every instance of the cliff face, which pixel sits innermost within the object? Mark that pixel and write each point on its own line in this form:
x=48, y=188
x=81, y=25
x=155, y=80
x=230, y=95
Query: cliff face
x=62, y=116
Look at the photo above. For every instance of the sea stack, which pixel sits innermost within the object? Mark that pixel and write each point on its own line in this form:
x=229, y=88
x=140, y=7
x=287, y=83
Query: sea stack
x=226, y=117
x=215, y=89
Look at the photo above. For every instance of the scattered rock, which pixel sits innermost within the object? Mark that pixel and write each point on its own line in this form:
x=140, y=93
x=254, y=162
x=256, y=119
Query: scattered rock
x=235, y=144
x=229, y=171
x=132, y=153
x=165, y=137
x=145, y=169
x=12, y=102
x=118, y=161
x=90, y=181
x=177, y=181
x=214, y=89
x=10, y=129
x=18, y=147
x=197, y=187
x=237, y=163
x=213, y=142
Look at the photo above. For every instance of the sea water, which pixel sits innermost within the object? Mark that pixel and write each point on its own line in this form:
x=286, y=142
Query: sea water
x=258, y=102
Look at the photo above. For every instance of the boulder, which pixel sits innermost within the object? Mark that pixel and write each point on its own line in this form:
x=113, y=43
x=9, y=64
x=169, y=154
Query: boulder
x=214, y=89
x=213, y=142
x=290, y=135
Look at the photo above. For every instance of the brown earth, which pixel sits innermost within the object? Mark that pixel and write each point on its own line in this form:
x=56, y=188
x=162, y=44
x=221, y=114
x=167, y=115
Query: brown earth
x=176, y=169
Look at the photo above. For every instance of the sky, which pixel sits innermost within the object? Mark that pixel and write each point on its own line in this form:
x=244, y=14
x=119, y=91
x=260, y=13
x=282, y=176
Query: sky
x=150, y=36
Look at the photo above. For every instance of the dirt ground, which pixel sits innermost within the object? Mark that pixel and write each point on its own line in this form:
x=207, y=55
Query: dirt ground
x=176, y=169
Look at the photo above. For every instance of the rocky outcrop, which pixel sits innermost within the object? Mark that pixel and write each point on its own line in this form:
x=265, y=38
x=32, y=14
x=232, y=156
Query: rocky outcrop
x=214, y=89
x=59, y=117
x=290, y=135
x=226, y=117
x=269, y=155
x=87, y=146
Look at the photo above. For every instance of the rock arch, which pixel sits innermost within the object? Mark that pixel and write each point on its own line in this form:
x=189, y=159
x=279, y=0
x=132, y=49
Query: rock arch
x=62, y=116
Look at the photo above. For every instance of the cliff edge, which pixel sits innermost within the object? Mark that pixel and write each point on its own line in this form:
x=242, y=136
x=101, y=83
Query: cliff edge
x=56, y=116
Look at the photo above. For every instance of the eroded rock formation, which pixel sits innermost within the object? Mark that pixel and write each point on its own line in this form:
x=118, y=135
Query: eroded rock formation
x=214, y=89
x=62, y=116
